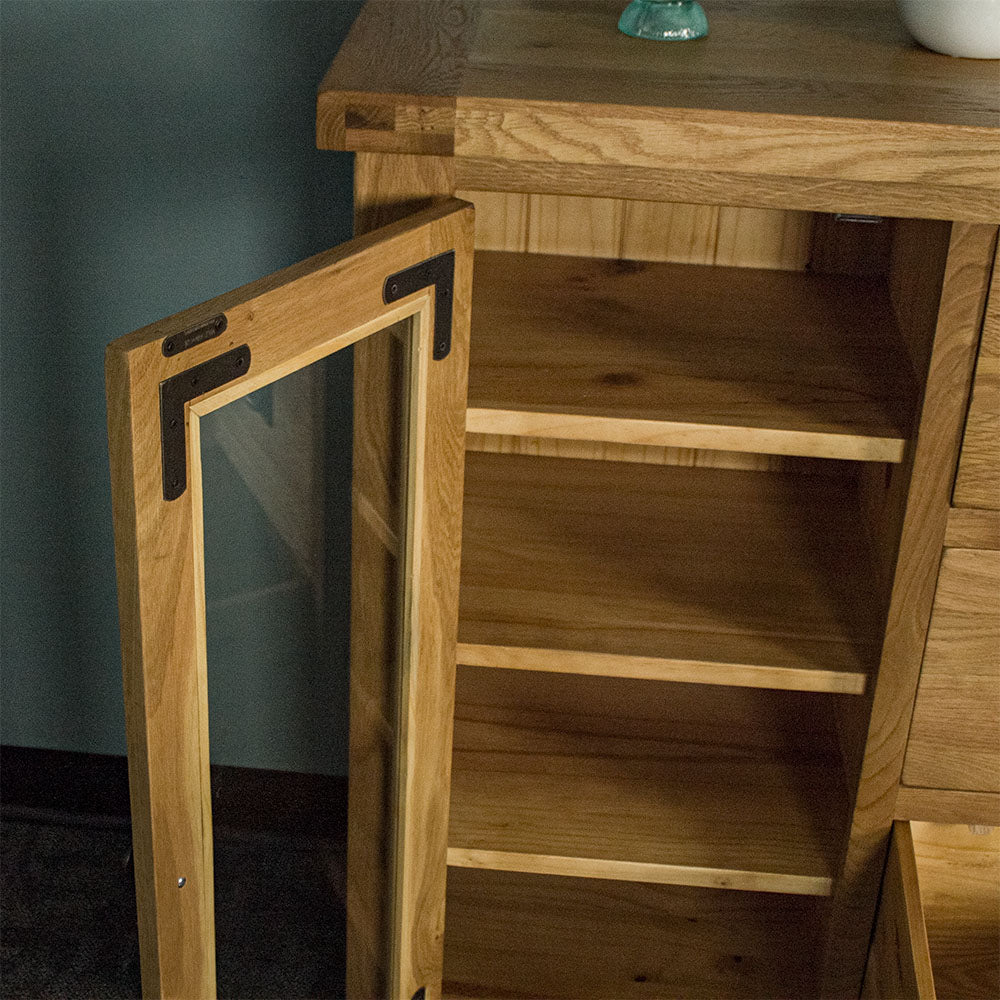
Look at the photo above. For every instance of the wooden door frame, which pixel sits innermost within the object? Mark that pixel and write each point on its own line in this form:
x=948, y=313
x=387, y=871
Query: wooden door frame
x=286, y=321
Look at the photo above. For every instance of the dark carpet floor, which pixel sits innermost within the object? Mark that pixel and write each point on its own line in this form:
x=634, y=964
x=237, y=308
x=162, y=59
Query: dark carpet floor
x=67, y=913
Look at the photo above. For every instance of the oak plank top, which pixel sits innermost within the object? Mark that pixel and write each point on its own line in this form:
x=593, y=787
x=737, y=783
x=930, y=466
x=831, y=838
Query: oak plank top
x=821, y=104
x=839, y=59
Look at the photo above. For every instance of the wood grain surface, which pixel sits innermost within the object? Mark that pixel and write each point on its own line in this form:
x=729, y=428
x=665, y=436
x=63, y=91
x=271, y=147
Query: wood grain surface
x=287, y=320
x=741, y=143
x=825, y=93
x=954, y=739
x=686, y=356
x=946, y=805
x=641, y=230
x=650, y=454
x=517, y=936
x=916, y=200
x=978, y=481
x=644, y=791
x=969, y=528
x=721, y=576
x=959, y=873
x=838, y=60
x=932, y=459
x=899, y=964
x=381, y=546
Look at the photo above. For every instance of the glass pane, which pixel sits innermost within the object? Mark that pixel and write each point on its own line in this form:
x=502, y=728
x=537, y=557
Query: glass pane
x=282, y=571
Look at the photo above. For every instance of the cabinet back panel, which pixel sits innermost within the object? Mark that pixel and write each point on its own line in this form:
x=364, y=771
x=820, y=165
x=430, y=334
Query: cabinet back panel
x=704, y=715
x=519, y=936
x=641, y=230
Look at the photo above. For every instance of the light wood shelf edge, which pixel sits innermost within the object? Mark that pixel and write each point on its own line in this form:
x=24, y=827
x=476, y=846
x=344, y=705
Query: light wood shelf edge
x=619, y=355
x=660, y=669
x=678, y=434
x=664, y=626
x=646, y=789
x=633, y=871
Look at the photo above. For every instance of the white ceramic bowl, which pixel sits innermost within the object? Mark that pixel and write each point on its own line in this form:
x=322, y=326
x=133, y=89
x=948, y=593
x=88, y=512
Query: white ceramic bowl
x=969, y=28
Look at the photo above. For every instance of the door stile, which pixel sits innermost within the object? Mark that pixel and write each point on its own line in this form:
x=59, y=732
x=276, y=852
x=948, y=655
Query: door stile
x=165, y=717
x=415, y=376
x=429, y=695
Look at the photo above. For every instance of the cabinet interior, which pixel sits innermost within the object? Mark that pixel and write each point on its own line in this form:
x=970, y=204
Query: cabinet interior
x=690, y=439
x=512, y=936
x=720, y=786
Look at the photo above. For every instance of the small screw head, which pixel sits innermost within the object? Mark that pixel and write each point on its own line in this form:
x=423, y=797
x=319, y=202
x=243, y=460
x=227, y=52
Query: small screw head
x=181, y=882
x=173, y=421
x=169, y=345
x=393, y=288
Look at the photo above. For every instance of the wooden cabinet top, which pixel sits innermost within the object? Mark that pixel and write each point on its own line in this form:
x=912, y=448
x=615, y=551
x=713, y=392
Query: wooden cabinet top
x=830, y=98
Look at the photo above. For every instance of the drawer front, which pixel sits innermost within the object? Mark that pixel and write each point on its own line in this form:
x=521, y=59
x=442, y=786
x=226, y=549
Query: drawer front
x=978, y=481
x=954, y=740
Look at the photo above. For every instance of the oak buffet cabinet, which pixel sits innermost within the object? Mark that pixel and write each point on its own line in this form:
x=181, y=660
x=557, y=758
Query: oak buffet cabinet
x=729, y=585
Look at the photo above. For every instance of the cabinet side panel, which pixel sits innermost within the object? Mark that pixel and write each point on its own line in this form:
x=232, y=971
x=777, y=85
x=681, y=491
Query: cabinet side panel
x=933, y=454
x=959, y=873
x=917, y=262
x=390, y=187
x=978, y=482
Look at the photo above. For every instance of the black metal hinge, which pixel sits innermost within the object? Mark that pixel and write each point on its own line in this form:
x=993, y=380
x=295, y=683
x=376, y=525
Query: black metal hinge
x=438, y=271
x=179, y=390
x=178, y=342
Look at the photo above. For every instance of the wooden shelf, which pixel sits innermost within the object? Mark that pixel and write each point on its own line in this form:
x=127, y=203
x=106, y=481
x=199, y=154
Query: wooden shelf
x=688, y=356
x=705, y=575
x=519, y=936
x=678, y=784
x=959, y=874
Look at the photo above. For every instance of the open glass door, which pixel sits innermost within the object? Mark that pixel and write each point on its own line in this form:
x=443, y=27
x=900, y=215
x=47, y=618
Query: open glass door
x=401, y=297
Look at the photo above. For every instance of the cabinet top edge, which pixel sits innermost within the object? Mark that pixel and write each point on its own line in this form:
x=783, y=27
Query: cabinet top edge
x=839, y=60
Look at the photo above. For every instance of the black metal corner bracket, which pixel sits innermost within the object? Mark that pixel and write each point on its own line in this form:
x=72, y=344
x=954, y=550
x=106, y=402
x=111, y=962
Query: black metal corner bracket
x=438, y=271
x=175, y=393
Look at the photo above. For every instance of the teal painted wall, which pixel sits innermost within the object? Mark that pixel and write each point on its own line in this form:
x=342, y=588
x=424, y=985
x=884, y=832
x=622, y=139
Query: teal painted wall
x=154, y=154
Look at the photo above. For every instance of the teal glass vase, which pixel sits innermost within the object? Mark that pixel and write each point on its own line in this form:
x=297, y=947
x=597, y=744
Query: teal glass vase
x=664, y=20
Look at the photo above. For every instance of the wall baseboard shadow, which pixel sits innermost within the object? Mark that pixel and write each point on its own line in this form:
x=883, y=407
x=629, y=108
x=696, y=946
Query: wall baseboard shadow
x=66, y=787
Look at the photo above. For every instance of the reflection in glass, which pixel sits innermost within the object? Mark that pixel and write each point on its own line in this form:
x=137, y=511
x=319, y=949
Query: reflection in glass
x=286, y=587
